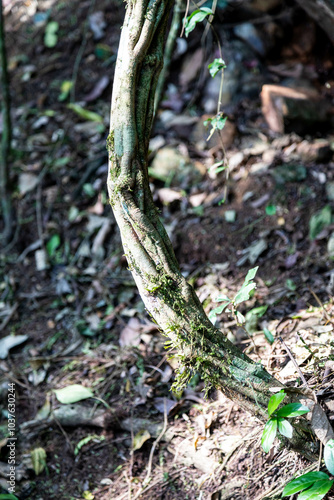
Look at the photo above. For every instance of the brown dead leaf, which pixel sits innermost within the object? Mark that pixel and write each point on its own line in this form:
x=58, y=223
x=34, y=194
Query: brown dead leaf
x=191, y=67
x=98, y=89
x=168, y=195
x=130, y=335
x=321, y=425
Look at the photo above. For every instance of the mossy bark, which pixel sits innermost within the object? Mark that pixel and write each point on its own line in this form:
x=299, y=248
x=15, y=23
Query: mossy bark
x=168, y=298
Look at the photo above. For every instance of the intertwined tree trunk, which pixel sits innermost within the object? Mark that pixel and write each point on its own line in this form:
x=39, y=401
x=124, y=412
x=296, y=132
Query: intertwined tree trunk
x=168, y=298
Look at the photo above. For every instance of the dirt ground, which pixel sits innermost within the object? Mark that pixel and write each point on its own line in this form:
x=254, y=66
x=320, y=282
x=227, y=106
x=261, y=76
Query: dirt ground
x=65, y=286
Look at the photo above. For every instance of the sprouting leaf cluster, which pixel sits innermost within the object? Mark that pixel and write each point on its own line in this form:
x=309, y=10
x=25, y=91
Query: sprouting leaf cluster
x=217, y=123
x=242, y=295
x=313, y=485
x=196, y=17
x=277, y=421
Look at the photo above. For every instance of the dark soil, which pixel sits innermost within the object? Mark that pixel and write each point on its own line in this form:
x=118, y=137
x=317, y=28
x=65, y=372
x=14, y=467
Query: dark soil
x=76, y=309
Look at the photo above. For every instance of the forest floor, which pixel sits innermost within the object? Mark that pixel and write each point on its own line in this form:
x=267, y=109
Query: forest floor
x=65, y=286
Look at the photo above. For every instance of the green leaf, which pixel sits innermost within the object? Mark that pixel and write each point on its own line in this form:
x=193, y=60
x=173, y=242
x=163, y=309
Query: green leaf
x=220, y=166
x=84, y=113
x=285, y=428
x=73, y=393
x=275, y=401
x=317, y=491
x=319, y=221
x=38, y=458
x=269, y=434
x=217, y=122
x=65, y=90
x=196, y=17
x=61, y=162
x=303, y=482
x=53, y=244
x=247, y=286
x=251, y=275
x=222, y=298
x=289, y=173
x=103, y=51
x=8, y=496
x=86, y=440
x=216, y=66
x=329, y=456
x=292, y=410
x=217, y=310
x=240, y=318
x=291, y=285
x=50, y=35
x=269, y=336
x=89, y=190
x=271, y=209
x=244, y=293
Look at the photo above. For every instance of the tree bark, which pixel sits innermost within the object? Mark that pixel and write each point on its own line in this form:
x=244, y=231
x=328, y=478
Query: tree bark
x=168, y=298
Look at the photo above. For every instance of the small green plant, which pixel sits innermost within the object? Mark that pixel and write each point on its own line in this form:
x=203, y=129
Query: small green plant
x=217, y=123
x=216, y=66
x=196, y=17
x=313, y=485
x=242, y=295
x=277, y=421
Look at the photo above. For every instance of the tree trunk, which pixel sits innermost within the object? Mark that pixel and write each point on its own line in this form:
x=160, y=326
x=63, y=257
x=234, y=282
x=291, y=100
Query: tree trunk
x=168, y=298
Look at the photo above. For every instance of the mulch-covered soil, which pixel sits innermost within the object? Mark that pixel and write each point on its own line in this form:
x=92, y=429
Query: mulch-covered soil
x=66, y=288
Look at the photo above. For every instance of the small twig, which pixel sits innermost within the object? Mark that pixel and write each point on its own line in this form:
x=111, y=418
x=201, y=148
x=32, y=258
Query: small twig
x=80, y=52
x=131, y=458
x=294, y=361
x=155, y=444
x=63, y=432
x=8, y=317
x=152, y=485
x=150, y=460
x=328, y=318
x=184, y=19
x=39, y=218
x=170, y=44
x=320, y=456
x=280, y=488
